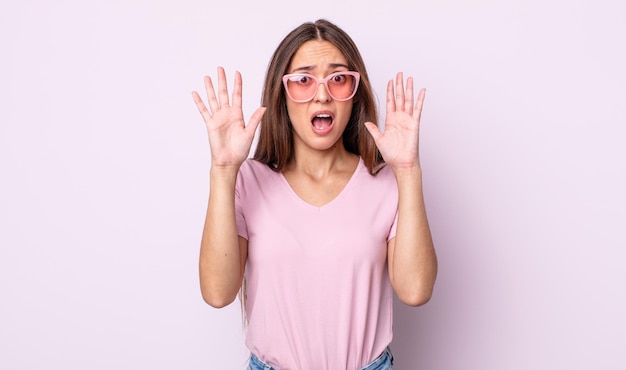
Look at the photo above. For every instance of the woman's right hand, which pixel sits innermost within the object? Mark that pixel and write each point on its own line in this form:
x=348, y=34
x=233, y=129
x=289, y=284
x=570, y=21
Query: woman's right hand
x=229, y=136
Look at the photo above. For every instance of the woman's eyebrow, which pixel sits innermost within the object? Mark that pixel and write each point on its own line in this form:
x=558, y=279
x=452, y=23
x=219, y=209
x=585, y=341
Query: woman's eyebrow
x=337, y=65
x=303, y=69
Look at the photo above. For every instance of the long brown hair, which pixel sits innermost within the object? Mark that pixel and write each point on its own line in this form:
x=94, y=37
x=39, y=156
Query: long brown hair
x=275, y=145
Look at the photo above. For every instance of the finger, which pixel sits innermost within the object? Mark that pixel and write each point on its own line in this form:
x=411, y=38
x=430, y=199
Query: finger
x=210, y=93
x=222, y=88
x=391, y=103
x=417, y=113
x=399, y=91
x=206, y=115
x=255, y=119
x=237, y=90
x=408, y=101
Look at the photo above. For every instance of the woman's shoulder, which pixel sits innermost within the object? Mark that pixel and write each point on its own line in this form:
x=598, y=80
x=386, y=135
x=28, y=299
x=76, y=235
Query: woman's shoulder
x=383, y=171
x=252, y=164
x=382, y=177
x=253, y=169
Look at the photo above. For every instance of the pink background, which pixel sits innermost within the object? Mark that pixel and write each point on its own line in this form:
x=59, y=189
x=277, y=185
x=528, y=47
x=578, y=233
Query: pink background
x=104, y=176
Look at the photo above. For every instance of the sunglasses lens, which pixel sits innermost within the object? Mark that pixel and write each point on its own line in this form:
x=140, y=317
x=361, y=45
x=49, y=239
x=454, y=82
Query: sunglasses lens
x=341, y=86
x=301, y=87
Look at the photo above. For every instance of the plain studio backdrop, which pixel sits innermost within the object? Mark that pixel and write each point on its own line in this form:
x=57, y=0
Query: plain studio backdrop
x=104, y=165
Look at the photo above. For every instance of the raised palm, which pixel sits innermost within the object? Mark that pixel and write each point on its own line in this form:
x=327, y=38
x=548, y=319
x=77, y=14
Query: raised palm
x=229, y=136
x=399, y=143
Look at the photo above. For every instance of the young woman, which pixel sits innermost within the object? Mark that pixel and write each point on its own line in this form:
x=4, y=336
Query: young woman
x=327, y=219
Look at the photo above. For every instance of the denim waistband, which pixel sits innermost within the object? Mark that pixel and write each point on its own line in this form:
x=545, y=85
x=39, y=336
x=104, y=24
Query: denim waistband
x=382, y=362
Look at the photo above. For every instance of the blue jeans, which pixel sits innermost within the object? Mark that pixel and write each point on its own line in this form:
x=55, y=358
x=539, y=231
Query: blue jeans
x=383, y=362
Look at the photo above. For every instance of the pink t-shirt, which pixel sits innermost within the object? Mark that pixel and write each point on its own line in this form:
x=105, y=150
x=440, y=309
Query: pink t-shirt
x=318, y=290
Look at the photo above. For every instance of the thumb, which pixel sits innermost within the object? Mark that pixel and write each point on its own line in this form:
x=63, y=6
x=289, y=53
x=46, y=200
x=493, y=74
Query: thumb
x=255, y=119
x=373, y=130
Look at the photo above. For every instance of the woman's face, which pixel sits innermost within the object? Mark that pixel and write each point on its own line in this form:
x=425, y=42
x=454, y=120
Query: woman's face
x=319, y=123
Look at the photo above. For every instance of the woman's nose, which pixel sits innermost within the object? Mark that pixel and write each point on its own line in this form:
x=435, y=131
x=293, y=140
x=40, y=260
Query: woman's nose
x=322, y=95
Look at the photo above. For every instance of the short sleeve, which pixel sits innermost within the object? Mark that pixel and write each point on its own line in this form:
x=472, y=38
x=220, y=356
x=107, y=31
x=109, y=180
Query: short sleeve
x=242, y=228
x=392, y=230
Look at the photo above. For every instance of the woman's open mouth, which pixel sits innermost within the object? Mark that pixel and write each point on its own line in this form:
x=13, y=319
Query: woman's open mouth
x=322, y=123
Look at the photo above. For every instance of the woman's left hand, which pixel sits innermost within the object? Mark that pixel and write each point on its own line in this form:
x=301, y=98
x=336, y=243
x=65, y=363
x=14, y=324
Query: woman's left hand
x=399, y=143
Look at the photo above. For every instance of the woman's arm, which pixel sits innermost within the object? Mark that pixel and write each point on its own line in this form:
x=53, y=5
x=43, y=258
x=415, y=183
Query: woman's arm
x=223, y=253
x=411, y=254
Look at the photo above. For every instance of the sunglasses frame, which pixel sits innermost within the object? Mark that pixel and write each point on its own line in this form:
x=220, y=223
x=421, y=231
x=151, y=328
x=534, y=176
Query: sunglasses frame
x=322, y=81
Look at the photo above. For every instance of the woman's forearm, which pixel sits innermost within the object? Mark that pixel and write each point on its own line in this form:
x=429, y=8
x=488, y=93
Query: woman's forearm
x=412, y=258
x=222, y=253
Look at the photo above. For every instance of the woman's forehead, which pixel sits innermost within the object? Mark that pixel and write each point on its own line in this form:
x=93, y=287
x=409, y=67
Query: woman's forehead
x=317, y=55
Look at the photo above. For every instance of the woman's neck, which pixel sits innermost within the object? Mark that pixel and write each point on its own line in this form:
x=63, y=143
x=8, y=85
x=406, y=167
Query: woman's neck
x=319, y=164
